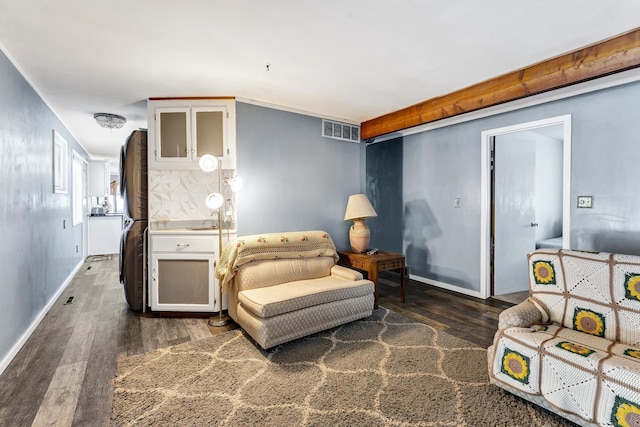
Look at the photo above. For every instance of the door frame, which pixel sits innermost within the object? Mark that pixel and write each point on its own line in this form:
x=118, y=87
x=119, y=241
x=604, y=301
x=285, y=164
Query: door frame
x=486, y=196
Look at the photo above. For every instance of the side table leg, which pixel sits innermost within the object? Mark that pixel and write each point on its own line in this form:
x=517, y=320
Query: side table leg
x=373, y=276
x=403, y=274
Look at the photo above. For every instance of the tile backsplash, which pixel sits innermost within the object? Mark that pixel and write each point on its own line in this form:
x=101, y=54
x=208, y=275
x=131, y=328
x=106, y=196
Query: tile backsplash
x=180, y=194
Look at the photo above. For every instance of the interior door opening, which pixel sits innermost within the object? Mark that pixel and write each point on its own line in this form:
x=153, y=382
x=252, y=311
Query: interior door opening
x=525, y=192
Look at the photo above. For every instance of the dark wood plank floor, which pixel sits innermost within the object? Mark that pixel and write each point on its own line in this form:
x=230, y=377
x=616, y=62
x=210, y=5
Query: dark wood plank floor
x=463, y=316
x=63, y=375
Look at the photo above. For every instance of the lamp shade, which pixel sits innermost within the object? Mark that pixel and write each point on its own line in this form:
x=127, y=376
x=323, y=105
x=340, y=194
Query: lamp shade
x=208, y=163
x=235, y=183
x=214, y=200
x=359, y=207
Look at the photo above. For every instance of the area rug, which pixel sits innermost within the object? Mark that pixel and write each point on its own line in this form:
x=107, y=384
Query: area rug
x=385, y=370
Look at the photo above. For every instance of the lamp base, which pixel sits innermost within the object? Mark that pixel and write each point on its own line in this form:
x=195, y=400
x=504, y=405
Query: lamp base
x=359, y=236
x=220, y=320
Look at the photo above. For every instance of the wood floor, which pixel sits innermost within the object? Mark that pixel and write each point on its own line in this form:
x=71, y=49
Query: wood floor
x=63, y=374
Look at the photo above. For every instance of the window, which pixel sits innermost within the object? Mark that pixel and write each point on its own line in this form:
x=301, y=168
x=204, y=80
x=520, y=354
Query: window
x=79, y=169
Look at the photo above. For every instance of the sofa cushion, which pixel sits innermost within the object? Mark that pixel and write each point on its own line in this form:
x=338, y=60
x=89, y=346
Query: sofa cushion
x=259, y=274
x=291, y=296
x=578, y=373
x=289, y=326
x=595, y=293
x=272, y=246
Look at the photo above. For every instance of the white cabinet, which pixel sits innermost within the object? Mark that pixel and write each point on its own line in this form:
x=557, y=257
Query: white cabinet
x=97, y=178
x=182, y=130
x=104, y=234
x=181, y=271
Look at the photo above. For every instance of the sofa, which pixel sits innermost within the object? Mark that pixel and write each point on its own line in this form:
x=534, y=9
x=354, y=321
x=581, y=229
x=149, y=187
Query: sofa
x=284, y=286
x=573, y=347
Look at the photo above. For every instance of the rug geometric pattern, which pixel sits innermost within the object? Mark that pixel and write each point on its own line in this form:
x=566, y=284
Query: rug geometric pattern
x=385, y=370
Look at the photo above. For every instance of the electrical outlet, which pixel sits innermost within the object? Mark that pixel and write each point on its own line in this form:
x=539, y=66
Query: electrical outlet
x=76, y=248
x=456, y=202
x=585, y=201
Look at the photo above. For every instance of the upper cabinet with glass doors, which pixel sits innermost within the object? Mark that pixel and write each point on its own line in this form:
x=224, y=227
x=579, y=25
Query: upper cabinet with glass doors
x=183, y=130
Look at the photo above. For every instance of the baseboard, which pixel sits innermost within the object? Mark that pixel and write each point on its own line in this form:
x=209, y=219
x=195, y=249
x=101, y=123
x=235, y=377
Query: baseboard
x=447, y=286
x=6, y=360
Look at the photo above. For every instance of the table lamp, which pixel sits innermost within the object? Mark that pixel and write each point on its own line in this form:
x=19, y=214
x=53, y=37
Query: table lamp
x=359, y=208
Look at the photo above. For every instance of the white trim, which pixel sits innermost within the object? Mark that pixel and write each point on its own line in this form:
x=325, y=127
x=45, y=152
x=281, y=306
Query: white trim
x=83, y=164
x=60, y=164
x=6, y=360
x=485, y=189
x=605, y=82
x=295, y=110
x=447, y=286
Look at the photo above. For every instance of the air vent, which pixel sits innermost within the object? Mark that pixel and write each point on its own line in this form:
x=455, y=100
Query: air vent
x=341, y=131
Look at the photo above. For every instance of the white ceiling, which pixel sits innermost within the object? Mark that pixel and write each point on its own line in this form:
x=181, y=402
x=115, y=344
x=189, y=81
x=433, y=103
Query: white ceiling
x=350, y=60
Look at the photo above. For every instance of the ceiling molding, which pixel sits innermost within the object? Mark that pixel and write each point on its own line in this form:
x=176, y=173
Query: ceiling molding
x=610, y=56
x=190, y=98
x=294, y=110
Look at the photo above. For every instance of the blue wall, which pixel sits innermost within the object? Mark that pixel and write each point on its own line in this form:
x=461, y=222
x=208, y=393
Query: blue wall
x=445, y=163
x=294, y=179
x=384, y=189
x=36, y=253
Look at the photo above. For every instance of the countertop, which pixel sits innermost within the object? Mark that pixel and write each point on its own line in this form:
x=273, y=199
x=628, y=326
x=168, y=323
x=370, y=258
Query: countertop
x=188, y=225
x=213, y=231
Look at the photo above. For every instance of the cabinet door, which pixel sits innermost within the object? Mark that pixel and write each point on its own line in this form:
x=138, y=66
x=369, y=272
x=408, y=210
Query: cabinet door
x=104, y=234
x=182, y=282
x=210, y=131
x=97, y=184
x=173, y=133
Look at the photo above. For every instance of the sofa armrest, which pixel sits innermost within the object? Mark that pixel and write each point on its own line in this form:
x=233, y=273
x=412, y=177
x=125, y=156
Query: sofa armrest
x=345, y=273
x=522, y=315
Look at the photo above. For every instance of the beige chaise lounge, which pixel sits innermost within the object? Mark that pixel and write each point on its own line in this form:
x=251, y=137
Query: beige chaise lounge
x=574, y=346
x=284, y=286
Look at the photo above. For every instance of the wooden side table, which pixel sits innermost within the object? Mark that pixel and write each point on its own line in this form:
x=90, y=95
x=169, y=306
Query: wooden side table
x=373, y=264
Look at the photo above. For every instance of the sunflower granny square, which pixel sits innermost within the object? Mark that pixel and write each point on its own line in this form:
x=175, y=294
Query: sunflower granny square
x=574, y=346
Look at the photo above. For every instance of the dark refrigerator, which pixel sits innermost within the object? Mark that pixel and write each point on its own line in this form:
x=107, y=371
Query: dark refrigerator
x=134, y=189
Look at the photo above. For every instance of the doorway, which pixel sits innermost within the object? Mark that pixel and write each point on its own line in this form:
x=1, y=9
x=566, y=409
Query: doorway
x=518, y=164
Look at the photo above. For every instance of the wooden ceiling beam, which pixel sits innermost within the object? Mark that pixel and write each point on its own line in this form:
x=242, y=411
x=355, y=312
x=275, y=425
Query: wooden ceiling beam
x=614, y=55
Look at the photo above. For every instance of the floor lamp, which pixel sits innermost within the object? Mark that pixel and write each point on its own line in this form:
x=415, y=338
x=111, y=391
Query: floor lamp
x=214, y=201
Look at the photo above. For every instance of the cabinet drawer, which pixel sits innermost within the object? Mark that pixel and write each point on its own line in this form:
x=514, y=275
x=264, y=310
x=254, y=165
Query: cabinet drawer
x=183, y=244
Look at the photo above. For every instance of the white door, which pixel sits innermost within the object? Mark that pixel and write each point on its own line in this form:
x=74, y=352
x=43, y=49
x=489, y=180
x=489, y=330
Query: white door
x=183, y=282
x=514, y=211
x=503, y=267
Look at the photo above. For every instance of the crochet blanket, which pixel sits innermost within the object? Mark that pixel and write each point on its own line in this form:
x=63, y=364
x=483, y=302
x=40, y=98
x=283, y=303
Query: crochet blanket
x=245, y=249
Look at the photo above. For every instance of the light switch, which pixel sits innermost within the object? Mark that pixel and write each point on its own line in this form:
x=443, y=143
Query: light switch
x=585, y=201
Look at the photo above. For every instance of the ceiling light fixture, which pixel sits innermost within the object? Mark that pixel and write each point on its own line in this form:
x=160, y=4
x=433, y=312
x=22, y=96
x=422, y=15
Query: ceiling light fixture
x=110, y=121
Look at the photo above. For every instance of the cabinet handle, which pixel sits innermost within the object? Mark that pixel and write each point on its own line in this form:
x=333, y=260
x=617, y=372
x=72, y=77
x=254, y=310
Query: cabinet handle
x=182, y=245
